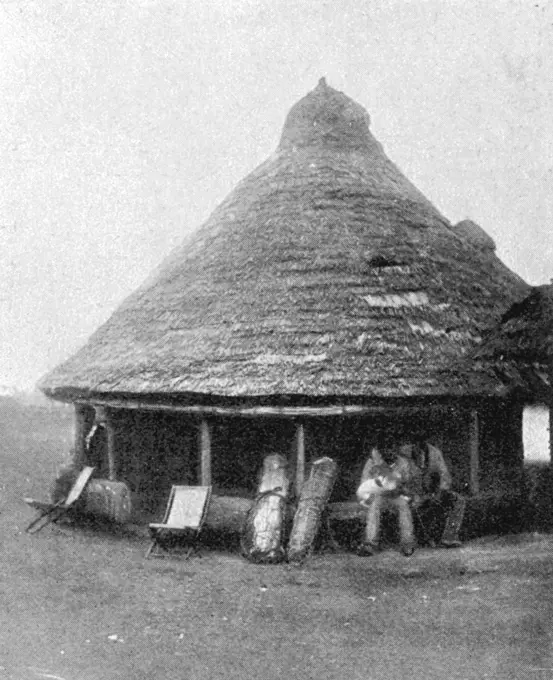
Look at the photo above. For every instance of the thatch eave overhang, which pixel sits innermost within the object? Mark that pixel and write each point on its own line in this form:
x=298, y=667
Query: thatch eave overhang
x=289, y=406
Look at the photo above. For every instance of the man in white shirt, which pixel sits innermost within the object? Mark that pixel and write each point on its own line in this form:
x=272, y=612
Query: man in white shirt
x=386, y=487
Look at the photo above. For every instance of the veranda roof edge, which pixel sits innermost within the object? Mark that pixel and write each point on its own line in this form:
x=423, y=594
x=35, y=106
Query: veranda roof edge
x=270, y=411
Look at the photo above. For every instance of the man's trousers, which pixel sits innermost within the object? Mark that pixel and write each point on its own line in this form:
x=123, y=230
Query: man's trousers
x=399, y=504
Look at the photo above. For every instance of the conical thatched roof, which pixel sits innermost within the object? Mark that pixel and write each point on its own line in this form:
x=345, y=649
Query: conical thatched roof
x=324, y=273
x=520, y=348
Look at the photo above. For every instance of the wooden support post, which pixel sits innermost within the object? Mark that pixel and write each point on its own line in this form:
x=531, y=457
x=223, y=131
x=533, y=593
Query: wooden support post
x=205, y=453
x=300, y=457
x=79, y=455
x=517, y=426
x=110, y=430
x=474, y=433
x=551, y=412
x=551, y=434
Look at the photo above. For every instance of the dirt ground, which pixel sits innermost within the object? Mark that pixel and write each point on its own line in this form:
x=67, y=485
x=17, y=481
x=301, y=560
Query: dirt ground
x=79, y=604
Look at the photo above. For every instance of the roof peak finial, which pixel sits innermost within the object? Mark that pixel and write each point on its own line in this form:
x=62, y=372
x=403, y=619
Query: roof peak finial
x=327, y=117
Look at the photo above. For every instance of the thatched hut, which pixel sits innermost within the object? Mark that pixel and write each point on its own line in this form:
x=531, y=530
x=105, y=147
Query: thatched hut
x=325, y=303
x=519, y=350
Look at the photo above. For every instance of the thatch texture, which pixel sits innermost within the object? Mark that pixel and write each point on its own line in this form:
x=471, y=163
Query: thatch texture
x=324, y=273
x=520, y=349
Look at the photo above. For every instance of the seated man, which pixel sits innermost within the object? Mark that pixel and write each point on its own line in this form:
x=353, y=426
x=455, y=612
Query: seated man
x=386, y=487
x=436, y=498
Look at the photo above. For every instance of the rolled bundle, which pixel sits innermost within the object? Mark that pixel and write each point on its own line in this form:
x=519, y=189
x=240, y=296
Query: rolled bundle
x=108, y=500
x=314, y=497
x=262, y=534
x=227, y=513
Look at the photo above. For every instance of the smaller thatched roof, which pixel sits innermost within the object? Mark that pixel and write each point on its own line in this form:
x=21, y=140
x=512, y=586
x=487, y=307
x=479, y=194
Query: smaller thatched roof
x=473, y=234
x=520, y=348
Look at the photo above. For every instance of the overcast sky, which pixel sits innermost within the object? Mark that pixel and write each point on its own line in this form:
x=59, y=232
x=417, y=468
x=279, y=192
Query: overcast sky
x=124, y=124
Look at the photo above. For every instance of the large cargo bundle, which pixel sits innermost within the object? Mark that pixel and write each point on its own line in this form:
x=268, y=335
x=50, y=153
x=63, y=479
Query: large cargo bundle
x=262, y=536
x=314, y=497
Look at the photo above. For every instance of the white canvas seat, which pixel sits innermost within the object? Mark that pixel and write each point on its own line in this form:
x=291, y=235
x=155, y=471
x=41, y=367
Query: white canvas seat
x=184, y=516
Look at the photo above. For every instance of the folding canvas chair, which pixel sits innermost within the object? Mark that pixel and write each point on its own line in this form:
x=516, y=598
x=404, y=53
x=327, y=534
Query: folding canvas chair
x=184, y=517
x=52, y=512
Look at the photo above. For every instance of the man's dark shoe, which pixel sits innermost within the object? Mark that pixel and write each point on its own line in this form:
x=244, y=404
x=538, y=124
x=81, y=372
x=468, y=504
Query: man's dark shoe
x=407, y=549
x=366, y=549
x=451, y=544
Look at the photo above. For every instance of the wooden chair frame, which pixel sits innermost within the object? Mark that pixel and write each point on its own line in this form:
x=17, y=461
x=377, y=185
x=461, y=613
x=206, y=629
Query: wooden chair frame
x=174, y=523
x=52, y=512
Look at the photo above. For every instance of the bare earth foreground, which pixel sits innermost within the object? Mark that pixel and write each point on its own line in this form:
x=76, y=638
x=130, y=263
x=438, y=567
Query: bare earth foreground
x=79, y=604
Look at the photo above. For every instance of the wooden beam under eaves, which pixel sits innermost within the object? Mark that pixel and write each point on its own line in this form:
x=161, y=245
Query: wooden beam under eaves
x=270, y=411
